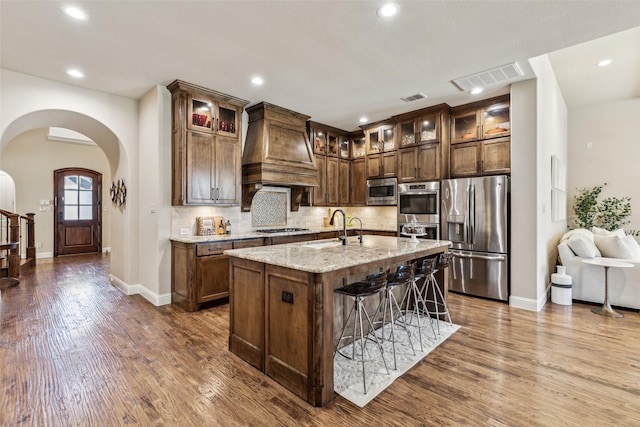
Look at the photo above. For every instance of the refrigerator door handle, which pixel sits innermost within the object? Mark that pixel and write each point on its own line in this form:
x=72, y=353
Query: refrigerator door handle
x=472, y=214
x=475, y=256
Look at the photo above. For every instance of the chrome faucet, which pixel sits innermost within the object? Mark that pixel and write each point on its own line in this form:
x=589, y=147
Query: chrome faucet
x=360, y=221
x=343, y=237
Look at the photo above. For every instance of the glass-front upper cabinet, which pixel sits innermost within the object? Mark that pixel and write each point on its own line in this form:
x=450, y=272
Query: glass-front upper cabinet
x=490, y=119
x=381, y=139
x=465, y=126
x=228, y=119
x=210, y=116
x=343, y=147
x=407, y=133
x=332, y=145
x=428, y=129
x=319, y=142
x=358, y=147
x=422, y=130
x=203, y=114
x=496, y=120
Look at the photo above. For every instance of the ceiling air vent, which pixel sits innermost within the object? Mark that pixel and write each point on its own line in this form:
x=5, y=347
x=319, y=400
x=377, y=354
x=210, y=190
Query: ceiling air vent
x=489, y=77
x=414, y=97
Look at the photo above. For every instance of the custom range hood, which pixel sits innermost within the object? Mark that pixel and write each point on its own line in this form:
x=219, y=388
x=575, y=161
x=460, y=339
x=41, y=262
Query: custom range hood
x=277, y=152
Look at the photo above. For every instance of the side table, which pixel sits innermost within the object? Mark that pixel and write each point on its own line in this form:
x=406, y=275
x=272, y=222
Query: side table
x=606, y=309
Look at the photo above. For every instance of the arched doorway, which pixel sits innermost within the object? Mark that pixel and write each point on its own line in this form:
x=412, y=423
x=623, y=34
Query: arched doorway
x=78, y=211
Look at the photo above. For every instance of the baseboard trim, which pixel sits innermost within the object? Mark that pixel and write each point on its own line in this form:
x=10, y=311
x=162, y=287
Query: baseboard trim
x=105, y=251
x=44, y=255
x=529, y=303
x=152, y=297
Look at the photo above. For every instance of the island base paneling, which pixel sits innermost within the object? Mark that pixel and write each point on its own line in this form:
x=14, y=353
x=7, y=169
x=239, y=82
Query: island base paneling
x=246, y=338
x=283, y=321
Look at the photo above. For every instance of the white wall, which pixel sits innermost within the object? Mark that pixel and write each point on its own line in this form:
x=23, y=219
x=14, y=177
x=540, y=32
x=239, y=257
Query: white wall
x=604, y=146
x=111, y=121
x=539, y=131
x=7, y=192
x=33, y=175
x=154, y=176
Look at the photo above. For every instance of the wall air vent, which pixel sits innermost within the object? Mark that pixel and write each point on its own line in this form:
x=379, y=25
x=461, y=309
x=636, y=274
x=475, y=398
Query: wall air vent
x=489, y=77
x=414, y=97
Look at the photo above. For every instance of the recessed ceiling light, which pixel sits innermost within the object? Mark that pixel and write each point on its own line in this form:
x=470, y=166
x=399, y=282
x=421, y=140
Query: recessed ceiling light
x=604, y=62
x=74, y=12
x=258, y=81
x=363, y=120
x=75, y=73
x=476, y=90
x=387, y=10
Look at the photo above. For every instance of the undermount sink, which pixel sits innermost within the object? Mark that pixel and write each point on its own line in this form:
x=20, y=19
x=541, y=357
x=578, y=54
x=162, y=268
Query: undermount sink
x=321, y=244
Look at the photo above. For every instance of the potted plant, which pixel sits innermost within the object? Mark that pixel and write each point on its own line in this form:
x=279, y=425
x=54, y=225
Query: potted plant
x=610, y=214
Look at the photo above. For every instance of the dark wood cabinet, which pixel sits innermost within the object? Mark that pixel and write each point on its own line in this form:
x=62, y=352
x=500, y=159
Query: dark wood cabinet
x=481, y=120
x=320, y=192
x=481, y=138
x=420, y=163
x=358, y=182
x=200, y=271
x=423, y=146
x=481, y=158
x=206, y=148
x=381, y=150
x=331, y=148
x=344, y=186
x=382, y=165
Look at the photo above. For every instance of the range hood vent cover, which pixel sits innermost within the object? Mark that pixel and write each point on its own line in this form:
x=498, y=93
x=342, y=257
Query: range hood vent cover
x=277, y=152
x=486, y=78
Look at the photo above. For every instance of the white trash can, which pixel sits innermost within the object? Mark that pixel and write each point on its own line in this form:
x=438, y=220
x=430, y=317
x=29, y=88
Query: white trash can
x=561, y=287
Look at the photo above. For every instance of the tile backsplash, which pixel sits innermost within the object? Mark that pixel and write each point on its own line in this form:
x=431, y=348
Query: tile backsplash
x=378, y=217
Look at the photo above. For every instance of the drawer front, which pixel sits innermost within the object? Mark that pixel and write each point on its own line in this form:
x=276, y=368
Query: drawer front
x=204, y=249
x=249, y=243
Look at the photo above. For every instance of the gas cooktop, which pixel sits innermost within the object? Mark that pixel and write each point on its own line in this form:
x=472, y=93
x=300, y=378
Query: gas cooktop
x=281, y=230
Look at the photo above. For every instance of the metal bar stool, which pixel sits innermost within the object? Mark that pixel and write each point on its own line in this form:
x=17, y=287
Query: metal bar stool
x=442, y=261
x=402, y=276
x=360, y=291
x=413, y=304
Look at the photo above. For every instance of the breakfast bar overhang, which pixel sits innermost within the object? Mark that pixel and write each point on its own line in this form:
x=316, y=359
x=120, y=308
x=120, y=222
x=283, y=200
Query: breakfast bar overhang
x=282, y=308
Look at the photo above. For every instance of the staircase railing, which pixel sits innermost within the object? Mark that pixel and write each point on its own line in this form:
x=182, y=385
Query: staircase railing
x=11, y=239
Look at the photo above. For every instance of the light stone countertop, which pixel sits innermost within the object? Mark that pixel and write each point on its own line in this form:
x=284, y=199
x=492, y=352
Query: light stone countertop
x=255, y=234
x=322, y=256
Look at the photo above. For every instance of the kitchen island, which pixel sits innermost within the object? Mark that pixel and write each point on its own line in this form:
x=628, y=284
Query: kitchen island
x=283, y=313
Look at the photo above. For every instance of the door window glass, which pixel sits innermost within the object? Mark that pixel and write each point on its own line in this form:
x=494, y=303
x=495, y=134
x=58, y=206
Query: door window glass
x=78, y=197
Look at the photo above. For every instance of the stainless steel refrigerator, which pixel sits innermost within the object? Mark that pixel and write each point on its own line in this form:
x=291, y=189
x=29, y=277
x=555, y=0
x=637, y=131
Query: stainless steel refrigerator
x=475, y=218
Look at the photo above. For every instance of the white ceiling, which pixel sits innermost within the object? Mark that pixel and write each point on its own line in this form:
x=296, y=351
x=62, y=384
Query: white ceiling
x=332, y=60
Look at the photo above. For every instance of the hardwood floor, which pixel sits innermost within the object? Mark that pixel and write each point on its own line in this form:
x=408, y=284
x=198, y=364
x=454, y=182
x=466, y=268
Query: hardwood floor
x=75, y=351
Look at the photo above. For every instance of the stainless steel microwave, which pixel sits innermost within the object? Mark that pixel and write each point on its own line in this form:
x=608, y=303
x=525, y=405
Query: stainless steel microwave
x=382, y=192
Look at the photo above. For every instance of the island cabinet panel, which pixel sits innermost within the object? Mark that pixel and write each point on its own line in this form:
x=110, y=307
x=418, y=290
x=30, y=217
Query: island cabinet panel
x=247, y=311
x=284, y=320
x=288, y=349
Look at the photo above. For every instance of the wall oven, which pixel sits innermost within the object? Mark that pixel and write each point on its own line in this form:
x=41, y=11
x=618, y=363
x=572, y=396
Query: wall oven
x=420, y=201
x=382, y=192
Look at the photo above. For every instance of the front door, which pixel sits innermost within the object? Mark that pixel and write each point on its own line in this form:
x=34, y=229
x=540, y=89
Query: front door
x=78, y=211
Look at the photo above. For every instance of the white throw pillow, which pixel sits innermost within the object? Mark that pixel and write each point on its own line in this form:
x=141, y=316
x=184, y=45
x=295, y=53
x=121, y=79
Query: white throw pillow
x=602, y=232
x=614, y=246
x=583, y=247
x=577, y=231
